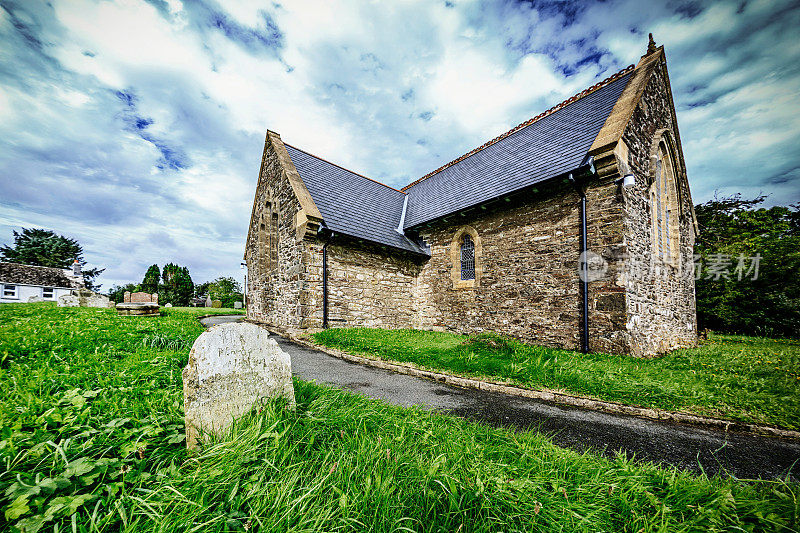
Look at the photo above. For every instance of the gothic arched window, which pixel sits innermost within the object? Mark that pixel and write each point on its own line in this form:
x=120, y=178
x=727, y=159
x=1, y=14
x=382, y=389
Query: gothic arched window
x=664, y=208
x=467, y=258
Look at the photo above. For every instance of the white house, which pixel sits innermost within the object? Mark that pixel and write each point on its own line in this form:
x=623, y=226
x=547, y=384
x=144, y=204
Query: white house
x=19, y=283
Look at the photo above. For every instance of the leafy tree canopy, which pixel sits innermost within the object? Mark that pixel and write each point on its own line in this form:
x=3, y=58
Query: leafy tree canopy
x=736, y=229
x=42, y=247
x=151, y=279
x=177, y=286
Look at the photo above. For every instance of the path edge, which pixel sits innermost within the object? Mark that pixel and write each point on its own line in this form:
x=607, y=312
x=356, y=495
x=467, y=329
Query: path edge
x=549, y=396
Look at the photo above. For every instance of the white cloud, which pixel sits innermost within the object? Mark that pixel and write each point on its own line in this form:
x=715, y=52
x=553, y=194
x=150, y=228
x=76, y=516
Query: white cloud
x=137, y=127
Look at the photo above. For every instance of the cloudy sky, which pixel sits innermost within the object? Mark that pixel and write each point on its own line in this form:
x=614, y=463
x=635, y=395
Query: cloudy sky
x=137, y=126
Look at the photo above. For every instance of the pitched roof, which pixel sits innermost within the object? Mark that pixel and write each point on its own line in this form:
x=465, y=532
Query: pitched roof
x=353, y=204
x=547, y=146
x=36, y=275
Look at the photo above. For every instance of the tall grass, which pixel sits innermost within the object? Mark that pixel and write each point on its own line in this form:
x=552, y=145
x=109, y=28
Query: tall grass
x=92, y=440
x=741, y=378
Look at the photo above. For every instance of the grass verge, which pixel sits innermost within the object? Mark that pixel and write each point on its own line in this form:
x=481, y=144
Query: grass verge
x=739, y=378
x=92, y=440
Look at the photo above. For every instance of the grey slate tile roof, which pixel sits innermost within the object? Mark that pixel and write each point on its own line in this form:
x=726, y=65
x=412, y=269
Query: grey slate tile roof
x=352, y=204
x=549, y=147
x=546, y=148
x=17, y=274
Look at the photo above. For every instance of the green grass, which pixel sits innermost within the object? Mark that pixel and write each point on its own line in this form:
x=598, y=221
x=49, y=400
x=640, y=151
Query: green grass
x=740, y=378
x=92, y=440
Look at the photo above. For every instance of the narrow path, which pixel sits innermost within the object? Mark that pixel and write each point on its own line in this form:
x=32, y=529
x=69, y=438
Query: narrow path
x=689, y=448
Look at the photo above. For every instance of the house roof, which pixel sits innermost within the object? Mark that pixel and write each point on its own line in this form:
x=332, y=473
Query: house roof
x=353, y=204
x=549, y=145
x=17, y=274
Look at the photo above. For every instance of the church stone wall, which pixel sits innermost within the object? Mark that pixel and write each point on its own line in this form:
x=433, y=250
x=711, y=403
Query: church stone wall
x=529, y=285
x=367, y=285
x=660, y=297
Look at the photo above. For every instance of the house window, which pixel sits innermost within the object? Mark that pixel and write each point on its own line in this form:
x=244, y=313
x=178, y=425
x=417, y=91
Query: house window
x=467, y=258
x=664, y=208
x=10, y=291
x=47, y=293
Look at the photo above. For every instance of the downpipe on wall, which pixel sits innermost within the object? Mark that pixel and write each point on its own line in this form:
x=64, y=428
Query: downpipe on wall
x=325, y=282
x=584, y=268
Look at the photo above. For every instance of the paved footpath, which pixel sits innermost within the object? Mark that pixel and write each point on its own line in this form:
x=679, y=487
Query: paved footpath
x=690, y=448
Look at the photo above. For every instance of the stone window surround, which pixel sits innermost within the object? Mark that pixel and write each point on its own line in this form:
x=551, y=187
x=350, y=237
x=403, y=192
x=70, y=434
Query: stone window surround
x=455, y=258
x=665, y=137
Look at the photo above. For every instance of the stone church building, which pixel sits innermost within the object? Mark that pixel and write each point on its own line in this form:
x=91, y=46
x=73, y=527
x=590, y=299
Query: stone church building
x=495, y=240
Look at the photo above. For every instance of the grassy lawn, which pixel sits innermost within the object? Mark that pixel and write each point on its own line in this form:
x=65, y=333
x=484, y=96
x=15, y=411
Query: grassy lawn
x=92, y=440
x=740, y=378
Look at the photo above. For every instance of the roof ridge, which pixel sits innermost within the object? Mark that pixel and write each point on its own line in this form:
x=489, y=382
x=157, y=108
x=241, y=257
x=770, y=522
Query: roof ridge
x=340, y=166
x=557, y=107
x=34, y=266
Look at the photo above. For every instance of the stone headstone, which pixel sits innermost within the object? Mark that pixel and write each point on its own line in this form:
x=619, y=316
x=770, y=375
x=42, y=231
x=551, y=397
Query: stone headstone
x=69, y=300
x=140, y=297
x=84, y=298
x=232, y=368
x=216, y=303
x=168, y=305
x=34, y=299
x=208, y=302
x=237, y=305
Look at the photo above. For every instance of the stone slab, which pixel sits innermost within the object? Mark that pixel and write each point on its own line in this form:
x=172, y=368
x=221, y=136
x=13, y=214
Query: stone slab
x=138, y=309
x=232, y=368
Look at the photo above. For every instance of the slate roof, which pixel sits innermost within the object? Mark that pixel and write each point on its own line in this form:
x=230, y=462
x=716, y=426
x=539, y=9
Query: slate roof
x=545, y=148
x=353, y=204
x=17, y=274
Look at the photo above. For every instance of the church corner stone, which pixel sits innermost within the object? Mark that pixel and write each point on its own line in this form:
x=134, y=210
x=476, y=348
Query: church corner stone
x=232, y=368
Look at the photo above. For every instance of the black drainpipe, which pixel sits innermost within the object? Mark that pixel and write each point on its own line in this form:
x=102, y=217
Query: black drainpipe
x=584, y=266
x=325, y=282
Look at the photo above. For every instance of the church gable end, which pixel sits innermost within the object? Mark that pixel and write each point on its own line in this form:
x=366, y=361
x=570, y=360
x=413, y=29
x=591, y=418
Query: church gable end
x=284, y=217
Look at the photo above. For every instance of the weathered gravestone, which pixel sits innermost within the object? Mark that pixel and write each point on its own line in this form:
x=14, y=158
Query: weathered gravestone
x=237, y=305
x=84, y=298
x=139, y=297
x=216, y=303
x=208, y=301
x=168, y=305
x=232, y=368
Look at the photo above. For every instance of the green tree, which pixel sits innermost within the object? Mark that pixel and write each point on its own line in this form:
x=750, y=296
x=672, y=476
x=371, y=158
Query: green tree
x=117, y=292
x=151, y=279
x=177, y=286
x=737, y=231
x=225, y=289
x=42, y=247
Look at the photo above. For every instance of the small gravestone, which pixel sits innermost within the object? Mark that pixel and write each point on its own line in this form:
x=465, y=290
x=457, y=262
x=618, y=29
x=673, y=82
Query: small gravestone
x=216, y=303
x=168, y=305
x=232, y=368
x=237, y=305
x=84, y=297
